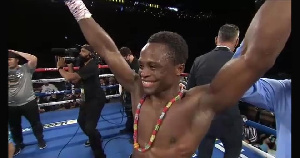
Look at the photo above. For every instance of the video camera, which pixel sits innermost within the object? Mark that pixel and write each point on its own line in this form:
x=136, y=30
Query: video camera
x=70, y=54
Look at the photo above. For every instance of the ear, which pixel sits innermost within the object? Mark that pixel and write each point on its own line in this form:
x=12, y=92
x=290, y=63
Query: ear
x=91, y=54
x=179, y=69
x=216, y=40
x=237, y=42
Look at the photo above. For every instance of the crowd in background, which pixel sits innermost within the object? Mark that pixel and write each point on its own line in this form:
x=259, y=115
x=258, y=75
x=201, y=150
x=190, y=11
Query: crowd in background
x=42, y=88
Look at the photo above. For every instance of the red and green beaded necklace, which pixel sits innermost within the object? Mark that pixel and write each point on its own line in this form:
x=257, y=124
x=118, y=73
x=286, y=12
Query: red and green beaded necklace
x=156, y=128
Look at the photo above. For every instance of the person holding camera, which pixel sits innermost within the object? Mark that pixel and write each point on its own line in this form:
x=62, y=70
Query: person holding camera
x=92, y=95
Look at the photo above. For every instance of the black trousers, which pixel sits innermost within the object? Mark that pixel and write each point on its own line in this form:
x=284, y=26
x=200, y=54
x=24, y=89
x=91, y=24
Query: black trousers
x=89, y=114
x=230, y=134
x=31, y=112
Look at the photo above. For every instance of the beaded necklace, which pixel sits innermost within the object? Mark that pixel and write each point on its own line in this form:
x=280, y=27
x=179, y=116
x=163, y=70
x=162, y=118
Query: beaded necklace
x=156, y=128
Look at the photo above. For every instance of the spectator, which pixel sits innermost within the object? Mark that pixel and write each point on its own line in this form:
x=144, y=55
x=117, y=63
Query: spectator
x=48, y=88
x=249, y=133
x=103, y=84
x=112, y=90
x=22, y=99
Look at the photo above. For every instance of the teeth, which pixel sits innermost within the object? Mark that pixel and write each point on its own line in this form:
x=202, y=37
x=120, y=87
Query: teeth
x=146, y=82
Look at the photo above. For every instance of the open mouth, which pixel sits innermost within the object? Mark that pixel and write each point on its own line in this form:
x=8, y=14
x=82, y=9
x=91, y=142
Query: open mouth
x=147, y=84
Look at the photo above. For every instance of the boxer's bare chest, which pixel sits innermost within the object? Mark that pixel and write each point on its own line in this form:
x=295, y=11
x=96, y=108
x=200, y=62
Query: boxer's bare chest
x=172, y=124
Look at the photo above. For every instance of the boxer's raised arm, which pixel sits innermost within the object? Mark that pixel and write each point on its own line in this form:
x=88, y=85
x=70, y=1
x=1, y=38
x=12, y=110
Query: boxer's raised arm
x=264, y=40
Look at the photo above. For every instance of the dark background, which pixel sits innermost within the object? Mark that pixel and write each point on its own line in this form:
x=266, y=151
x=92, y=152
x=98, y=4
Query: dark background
x=36, y=26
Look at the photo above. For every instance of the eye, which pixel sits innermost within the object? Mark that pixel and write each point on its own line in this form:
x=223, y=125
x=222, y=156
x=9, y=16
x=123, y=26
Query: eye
x=152, y=66
x=141, y=66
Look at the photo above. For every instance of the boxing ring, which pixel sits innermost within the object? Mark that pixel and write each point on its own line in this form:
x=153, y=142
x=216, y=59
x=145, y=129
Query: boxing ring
x=66, y=140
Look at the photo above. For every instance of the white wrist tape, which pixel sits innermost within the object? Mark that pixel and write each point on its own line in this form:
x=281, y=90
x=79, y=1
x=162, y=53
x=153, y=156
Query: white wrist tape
x=78, y=9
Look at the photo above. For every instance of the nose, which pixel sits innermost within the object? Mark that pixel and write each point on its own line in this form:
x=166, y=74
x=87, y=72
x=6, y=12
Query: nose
x=81, y=52
x=144, y=73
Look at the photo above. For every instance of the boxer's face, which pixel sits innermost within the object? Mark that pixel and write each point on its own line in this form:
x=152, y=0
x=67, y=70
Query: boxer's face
x=157, y=70
x=12, y=63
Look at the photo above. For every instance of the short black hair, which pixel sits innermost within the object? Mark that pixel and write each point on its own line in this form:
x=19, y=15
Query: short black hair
x=125, y=51
x=228, y=32
x=175, y=42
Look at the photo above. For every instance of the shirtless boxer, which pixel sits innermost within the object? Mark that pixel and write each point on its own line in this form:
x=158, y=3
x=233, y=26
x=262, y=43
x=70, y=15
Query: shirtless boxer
x=162, y=60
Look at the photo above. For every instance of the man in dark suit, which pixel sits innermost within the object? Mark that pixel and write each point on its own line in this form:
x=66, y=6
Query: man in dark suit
x=226, y=126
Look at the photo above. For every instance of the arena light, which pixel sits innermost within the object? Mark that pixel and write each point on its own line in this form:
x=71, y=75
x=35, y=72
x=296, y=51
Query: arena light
x=173, y=9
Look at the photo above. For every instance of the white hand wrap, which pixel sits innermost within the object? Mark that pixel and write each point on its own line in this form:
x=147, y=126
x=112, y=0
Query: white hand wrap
x=78, y=9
